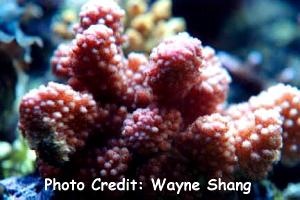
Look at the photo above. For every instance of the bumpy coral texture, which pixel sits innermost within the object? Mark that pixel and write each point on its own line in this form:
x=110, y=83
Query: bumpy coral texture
x=169, y=167
x=94, y=62
x=97, y=62
x=110, y=162
x=50, y=117
x=151, y=130
x=104, y=12
x=214, y=86
x=164, y=166
x=60, y=62
x=286, y=99
x=161, y=116
x=174, y=68
x=208, y=142
x=258, y=141
x=138, y=93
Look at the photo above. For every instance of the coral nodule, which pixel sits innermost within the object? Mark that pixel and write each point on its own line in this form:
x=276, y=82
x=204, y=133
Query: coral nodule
x=121, y=116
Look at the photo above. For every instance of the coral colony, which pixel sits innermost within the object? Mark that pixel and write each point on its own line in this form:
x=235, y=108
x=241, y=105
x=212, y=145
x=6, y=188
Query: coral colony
x=146, y=25
x=158, y=117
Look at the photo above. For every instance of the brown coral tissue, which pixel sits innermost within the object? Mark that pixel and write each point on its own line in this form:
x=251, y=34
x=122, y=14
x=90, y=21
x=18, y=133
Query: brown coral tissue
x=160, y=115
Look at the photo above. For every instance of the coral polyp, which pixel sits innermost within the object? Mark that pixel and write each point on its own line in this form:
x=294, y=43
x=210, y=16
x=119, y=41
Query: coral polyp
x=117, y=115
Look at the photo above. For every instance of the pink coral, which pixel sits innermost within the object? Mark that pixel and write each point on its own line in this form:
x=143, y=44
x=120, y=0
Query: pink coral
x=161, y=117
x=50, y=116
x=207, y=95
x=151, y=130
x=164, y=166
x=169, y=167
x=286, y=99
x=208, y=142
x=138, y=93
x=258, y=140
x=109, y=162
x=174, y=67
x=104, y=12
x=114, y=117
x=96, y=62
x=61, y=62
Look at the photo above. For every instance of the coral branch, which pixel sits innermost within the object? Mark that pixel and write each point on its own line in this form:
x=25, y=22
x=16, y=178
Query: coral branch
x=286, y=99
x=174, y=67
x=209, y=142
x=258, y=140
x=207, y=95
x=105, y=12
x=61, y=61
x=49, y=120
x=97, y=62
